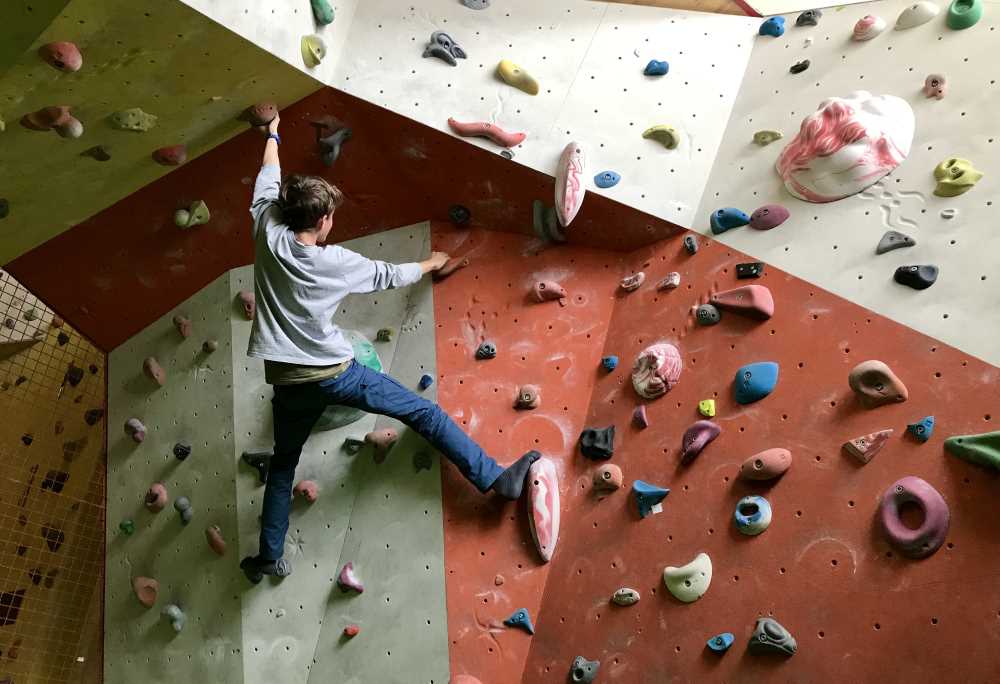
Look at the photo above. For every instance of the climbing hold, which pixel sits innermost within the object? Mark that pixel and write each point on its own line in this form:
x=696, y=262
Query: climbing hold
x=57, y=118
x=322, y=12
x=351, y=631
x=633, y=282
x=513, y=75
x=893, y=239
x=846, y=145
x=766, y=137
x=663, y=134
x=720, y=643
x=772, y=26
x=549, y=290
x=649, y=498
x=62, y=56
x=753, y=269
x=174, y=155
x=917, y=277
x=799, y=67
x=926, y=539
x=348, y=580
x=182, y=450
x=768, y=216
x=916, y=14
x=421, y=461
x=453, y=264
x=964, y=13
x=752, y=515
x=209, y=346
x=607, y=179
x=751, y=300
x=656, y=67
x=382, y=441
x=639, y=416
x=689, y=582
x=935, y=86
x=482, y=129
x=671, y=282
x=609, y=363
x=4, y=208
x=384, y=335
x=583, y=671
x=425, y=381
x=259, y=461
x=954, y=177
x=875, y=384
x=607, y=478
x=528, y=397
x=809, y=18
x=352, y=446
x=706, y=314
x=183, y=506
x=154, y=371
x=307, y=489
x=486, y=350
x=766, y=465
x=156, y=497
x=922, y=429
x=146, y=590
x=135, y=429
x=459, y=215
x=176, y=616
x=755, y=381
x=476, y=4
x=866, y=447
x=248, y=301
x=313, y=50
x=727, y=218
x=195, y=215
x=444, y=47
x=183, y=325
x=331, y=134
x=598, y=443
x=982, y=449
x=949, y=213
x=521, y=619
x=216, y=542
x=569, y=183
x=690, y=244
x=261, y=114
x=133, y=119
x=868, y=27
x=656, y=370
x=127, y=527
x=625, y=597
x=706, y=407
x=696, y=438
x=770, y=637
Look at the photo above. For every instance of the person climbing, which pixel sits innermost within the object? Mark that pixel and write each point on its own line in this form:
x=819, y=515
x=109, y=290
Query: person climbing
x=299, y=281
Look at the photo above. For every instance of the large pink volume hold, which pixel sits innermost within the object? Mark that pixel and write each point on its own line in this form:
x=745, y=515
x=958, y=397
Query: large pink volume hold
x=656, y=370
x=543, y=498
x=482, y=129
x=569, y=183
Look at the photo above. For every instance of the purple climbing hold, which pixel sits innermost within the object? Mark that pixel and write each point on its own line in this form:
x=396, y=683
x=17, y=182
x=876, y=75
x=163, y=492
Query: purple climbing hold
x=697, y=438
x=639, y=416
x=768, y=216
x=521, y=619
x=926, y=539
x=347, y=580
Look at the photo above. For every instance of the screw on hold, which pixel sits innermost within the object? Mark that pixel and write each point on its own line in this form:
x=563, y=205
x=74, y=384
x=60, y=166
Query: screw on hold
x=348, y=580
x=176, y=616
x=598, y=443
x=583, y=671
x=352, y=445
x=421, y=461
x=183, y=506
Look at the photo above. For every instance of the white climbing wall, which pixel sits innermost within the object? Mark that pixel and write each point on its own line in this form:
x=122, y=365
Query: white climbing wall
x=833, y=245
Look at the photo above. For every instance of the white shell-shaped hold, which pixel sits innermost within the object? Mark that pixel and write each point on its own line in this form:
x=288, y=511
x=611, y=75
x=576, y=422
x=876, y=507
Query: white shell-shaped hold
x=868, y=27
x=689, y=582
x=543, y=505
x=625, y=597
x=916, y=14
x=569, y=183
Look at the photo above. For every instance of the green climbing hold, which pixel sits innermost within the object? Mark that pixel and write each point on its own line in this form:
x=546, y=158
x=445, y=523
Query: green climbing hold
x=313, y=50
x=323, y=12
x=981, y=449
x=127, y=527
x=766, y=137
x=337, y=415
x=663, y=134
x=964, y=13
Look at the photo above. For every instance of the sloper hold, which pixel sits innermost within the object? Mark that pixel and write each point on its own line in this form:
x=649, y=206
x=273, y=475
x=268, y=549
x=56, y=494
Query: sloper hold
x=133, y=119
x=347, y=580
x=598, y=443
x=570, y=188
x=893, y=239
x=483, y=129
x=608, y=478
x=209, y=346
x=663, y=134
x=322, y=12
x=476, y=4
x=809, y=18
x=656, y=370
x=720, y=643
x=750, y=300
x=875, y=384
x=183, y=325
x=521, y=619
x=639, y=417
x=696, y=438
x=175, y=615
x=625, y=597
x=607, y=179
x=656, y=67
x=543, y=501
x=515, y=76
x=772, y=26
x=58, y=119
x=868, y=27
x=770, y=637
x=444, y=47
x=689, y=582
x=583, y=671
x=528, y=397
x=752, y=515
x=549, y=290
x=922, y=429
x=146, y=590
x=154, y=371
x=172, y=155
x=982, y=449
x=727, y=218
x=313, y=50
x=799, y=67
x=766, y=465
x=755, y=381
x=917, y=277
x=261, y=114
x=768, y=216
x=135, y=429
x=156, y=497
x=964, y=13
x=425, y=381
x=648, y=497
x=306, y=489
x=955, y=176
x=866, y=447
x=62, y=55
x=926, y=539
x=916, y=14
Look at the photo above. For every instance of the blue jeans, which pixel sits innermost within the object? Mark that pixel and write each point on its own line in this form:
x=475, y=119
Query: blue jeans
x=298, y=407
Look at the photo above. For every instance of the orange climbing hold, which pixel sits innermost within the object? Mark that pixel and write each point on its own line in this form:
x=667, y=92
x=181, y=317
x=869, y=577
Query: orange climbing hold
x=549, y=290
x=351, y=631
x=154, y=371
x=249, y=302
x=146, y=590
x=183, y=325
x=58, y=119
x=213, y=535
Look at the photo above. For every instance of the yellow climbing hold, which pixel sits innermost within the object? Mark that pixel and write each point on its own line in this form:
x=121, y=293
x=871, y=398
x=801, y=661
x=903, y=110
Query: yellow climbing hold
x=666, y=135
x=706, y=407
x=513, y=75
x=766, y=137
x=195, y=215
x=313, y=50
x=955, y=176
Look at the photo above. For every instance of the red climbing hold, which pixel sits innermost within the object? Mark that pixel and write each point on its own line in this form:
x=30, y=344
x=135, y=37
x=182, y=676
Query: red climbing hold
x=62, y=56
x=766, y=465
x=215, y=540
x=249, y=303
x=307, y=489
x=146, y=590
x=753, y=300
x=453, y=264
x=154, y=371
x=56, y=118
x=183, y=325
x=482, y=129
x=156, y=497
x=549, y=290
x=351, y=631
x=173, y=155
x=382, y=440
x=135, y=429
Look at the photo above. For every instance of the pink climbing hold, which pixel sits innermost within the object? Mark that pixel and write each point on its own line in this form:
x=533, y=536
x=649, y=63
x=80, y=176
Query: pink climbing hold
x=528, y=397
x=56, y=118
x=608, y=478
x=482, y=129
x=183, y=325
x=633, y=282
x=173, y=155
x=382, y=440
x=154, y=371
x=752, y=300
x=696, y=438
x=639, y=416
x=135, y=429
x=156, y=497
x=249, y=302
x=549, y=290
x=768, y=216
x=347, y=580
x=934, y=86
x=216, y=542
x=62, y=55
x=307, y=489
x=656, y=370
x=766, y=465
x=146, y=590
x=543, y=500
x=351, y=631
x=866, y=447
x=570, y=188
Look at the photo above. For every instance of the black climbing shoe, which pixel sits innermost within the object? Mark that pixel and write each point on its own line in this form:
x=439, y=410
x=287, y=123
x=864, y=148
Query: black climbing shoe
x=510, y=484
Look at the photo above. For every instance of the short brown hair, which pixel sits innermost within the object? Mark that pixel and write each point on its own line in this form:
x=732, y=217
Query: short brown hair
x=307, y=199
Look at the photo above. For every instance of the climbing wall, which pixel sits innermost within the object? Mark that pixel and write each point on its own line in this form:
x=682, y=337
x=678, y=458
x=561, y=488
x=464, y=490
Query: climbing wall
x=52, y=394
x=194, y=406
x=833, y=245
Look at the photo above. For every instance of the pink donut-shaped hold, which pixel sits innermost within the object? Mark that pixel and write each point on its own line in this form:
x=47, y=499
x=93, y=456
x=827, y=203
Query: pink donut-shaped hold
x=656, y=370
x=927, y=538
x=569, y=183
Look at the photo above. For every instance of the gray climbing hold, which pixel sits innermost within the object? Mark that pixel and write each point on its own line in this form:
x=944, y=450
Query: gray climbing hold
x=353, y=446
x=799, y=67
x=583, y=671
x=176, y=616
x=444, y=47
x=948, y=213
x=598, y=443
x=690, y=244
x=546, y=222
x=183, y=506
x=917, y=277
x=476, y=4
x=625, y=597
x=486, y=350
x=893, y=239
x=706, y=314
x=809, y=18
x=330, y=145
x=770, y=637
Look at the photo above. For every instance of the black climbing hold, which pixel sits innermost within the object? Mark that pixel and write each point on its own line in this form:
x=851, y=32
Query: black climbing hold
x=917, y=277
x=770, y=637
x=583, y=671
x=799, y=67
x=546, y=222
x=92, y=416
x=598, y=443
x=331, y=144
x=706, y=314
x=893, y=239
x=444, y=47
x=486, y=350
x=182, y=450
x=353, y=446
x=754, y=269
x=421, y=461
x=4, y=208
x=74, y=375
x=258, y=460
x=62, y=339
x=809, y=18
x=690, y=244
x=27, y=438
x=93, y=369
x=459, y=215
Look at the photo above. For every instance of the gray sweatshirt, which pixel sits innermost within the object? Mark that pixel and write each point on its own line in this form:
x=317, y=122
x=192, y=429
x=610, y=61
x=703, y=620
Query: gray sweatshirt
x=299, y=287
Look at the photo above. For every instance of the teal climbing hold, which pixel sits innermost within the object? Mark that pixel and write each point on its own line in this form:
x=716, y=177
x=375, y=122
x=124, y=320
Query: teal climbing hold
x=521, y=619
x=648, y=497
x=983, y=449
x=322, y=12
x=964, y=13
x=607, y=179
x=727, y=218
x=922, y=429
x=720, y=643
x=336, y=415
x=773, y=26
x=656, y=67
x=755, y=381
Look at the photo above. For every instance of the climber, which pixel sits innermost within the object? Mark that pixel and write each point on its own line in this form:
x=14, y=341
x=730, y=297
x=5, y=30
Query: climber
x=299, y=281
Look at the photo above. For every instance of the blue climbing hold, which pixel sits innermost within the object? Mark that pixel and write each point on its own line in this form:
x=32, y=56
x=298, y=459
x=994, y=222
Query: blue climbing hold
x=607, y=179
x=425, y=381
x=774, y=26
x=656, y=67
x=720, y=643
x=609, y=363
x=726, y=219
x=647, y=496
x=521, y=619
x=922, y=429
x=752, y=515
x=755, y=381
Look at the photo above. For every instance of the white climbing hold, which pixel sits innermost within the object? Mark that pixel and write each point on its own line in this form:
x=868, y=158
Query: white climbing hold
x=689, y=582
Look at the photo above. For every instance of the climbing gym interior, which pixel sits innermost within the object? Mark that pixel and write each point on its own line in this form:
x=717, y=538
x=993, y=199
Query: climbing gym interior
x=728, y=266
